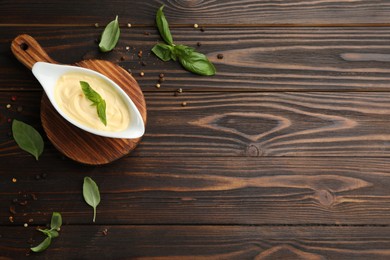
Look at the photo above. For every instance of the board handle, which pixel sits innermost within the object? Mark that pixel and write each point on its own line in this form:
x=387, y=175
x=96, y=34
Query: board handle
x=28, y=51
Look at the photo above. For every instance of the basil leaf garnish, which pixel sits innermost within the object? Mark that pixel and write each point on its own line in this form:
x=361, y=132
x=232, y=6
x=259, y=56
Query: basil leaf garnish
x=27, y=138
x=163, y=51
x=56, y=222
x=197, y=63
x=163, y=26
x=91, y=194
x=42, y=246
x=110, y=36
x=192, y=61
x=96, y=100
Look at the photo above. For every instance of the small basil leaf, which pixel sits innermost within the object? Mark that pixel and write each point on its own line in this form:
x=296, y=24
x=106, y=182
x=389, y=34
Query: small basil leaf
x=53, y=233
x=97, y=101
x=197, y=63
x=42, y=246
x=163, y=26
x=110, y=36
x=27, y=138
x=101, y=110
x=56, y=221
x=163, y=51
x=182, y=50
x=91, y=194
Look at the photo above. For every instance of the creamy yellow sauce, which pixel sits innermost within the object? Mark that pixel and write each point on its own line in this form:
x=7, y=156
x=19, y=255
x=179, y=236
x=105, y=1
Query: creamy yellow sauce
x=72, y=101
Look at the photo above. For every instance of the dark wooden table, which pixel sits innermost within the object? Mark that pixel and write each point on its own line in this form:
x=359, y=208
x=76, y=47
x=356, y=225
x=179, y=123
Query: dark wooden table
x=284, y=154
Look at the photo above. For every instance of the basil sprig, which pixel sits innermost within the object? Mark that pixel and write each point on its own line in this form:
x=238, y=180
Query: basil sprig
x=55, y=225
x=27, y=138
x=110, y=36
x=91, y=194
x=97, y=101
x=190, y=59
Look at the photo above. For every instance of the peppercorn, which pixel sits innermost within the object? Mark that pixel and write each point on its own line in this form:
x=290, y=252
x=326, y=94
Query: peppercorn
x=158, y=85
x=161, y=75
x=142, y=74
x=220, y=56
x=129, y=25
x=96, y=25
x=184, y=104
x=196, y=25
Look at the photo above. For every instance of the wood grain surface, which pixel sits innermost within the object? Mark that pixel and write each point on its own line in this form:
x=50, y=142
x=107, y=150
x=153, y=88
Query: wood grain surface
x=204, y=242
x=248, y=124
x=232, y=13
x=263, y=59
x=201, y=191
x=283, y=154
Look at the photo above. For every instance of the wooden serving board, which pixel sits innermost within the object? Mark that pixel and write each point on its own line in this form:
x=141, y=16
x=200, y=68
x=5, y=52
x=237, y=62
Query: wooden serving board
x=70, y=140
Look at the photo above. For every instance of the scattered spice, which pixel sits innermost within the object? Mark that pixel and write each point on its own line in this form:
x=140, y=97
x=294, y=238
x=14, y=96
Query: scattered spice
x=129, y=25
x=184, y=104
x=96, y=25
x=158, y=85
x=12, y=209
x=105, y=232
x=14, y=180
x=8, y=106
x=202, y=29
x=13, y=98
x=25, y=225
x=23, y=203
x=127, y=48
x=142, y=74
x=180, y=90
x=196, y=25
x=11, y=219
x=140, y=54
x=220, y=56
x=34, y=197
x=199, y=44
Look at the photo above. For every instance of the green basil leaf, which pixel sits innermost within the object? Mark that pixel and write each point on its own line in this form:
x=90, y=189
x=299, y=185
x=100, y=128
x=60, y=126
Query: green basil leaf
x=50, y=232
x=101, y=110
x=163, y=26
x=110, y=36
x=42, y=246
x=27, y=138
x=197, y=63
x=56, y=221
x=163, y=51
x=96, y=99
x=91, y=194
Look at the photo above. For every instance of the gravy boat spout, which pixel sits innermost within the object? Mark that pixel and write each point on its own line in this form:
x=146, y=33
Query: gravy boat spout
x=48, y=75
